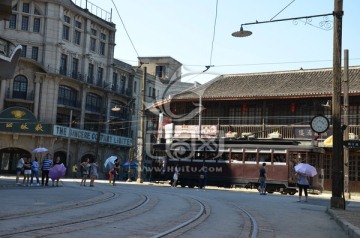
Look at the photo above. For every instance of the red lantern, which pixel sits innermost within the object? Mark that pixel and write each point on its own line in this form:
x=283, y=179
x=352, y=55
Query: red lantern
x=244, y=107
x=292, y=107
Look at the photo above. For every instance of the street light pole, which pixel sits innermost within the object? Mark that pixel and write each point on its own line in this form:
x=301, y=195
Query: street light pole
x=141, y=136
x=337, y=200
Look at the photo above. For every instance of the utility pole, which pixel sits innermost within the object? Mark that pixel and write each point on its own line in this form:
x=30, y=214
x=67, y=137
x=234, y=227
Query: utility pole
x=141, y=136
x=337, y=201
x=346, y=122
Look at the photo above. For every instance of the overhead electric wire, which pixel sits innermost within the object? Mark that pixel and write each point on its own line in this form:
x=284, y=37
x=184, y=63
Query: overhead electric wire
x=122, y=22
x=214, y=33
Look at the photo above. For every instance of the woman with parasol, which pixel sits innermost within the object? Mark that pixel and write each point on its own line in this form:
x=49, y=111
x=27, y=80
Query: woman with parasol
x=303, y=184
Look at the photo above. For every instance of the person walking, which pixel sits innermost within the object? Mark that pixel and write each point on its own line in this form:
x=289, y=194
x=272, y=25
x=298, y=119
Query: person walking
x=203, y=178
x=262, y=179
x=303, y=184
x=19, y=168
x=115, y=171
x=84, y=168
x=45, y=168
x=74, y=170
x=176, y=175
x=35, y=172
x=94, y=173
x=27, y=171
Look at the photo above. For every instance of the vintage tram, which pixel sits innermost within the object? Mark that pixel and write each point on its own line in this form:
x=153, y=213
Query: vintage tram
x=236, y=162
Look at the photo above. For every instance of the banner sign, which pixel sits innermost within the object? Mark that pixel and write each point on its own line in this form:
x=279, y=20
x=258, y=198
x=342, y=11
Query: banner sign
x=91, y=136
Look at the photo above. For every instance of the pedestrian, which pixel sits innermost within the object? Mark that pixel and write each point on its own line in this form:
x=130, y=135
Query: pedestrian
x=262, y=179
x=176, y=175
x=27, y=171
x=84, y=168
x=45, y=168
x=303, y=184
x=35, y=172
x=115, y=171
x=55, y=181
x=74, y=170
x=94, y=173
x=19, y=168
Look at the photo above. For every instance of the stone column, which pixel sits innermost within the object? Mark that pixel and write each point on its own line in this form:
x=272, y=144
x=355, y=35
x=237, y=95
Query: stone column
x=2, y=94
x=83, y=104
x=37, y=95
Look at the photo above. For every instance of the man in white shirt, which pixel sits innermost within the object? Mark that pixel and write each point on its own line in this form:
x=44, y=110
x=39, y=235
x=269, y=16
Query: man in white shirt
x=19, y=169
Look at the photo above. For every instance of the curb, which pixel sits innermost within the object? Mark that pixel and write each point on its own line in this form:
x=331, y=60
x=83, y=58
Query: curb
x=351, y=230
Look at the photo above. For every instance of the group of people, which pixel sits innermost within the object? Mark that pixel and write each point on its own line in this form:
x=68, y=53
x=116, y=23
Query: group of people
x=302, y=181
x=87, y=169
x=30, y=167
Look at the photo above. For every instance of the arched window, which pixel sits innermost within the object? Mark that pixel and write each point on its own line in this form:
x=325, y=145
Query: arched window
x=67, y=96
x=20, y=87
x=93, y=103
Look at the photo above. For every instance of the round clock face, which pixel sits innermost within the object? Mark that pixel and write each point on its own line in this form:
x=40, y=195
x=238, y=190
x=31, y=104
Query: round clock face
x=319, y=124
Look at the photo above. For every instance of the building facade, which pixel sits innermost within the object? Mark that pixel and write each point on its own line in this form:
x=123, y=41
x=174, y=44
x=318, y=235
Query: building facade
x=263, y=104
x=65, y=84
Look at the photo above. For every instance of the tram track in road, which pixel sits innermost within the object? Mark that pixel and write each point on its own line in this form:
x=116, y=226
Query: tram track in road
x=106, y=196
x=67, y=226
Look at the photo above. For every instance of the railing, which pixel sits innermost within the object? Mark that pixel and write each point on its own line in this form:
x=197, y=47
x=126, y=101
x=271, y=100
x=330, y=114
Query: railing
x=94, y=9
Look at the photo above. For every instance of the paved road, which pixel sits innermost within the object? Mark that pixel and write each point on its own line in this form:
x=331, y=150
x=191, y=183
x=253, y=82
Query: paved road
x=145, y=210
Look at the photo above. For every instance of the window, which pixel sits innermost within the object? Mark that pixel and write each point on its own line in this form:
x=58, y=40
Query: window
x=36, y=27
x=102, y=48
x=75, y=68
x=78, y=24
x=135, y=86
x=100, y=75
x=77, y=37
x=103, y=37
x=122, y=84
x=149, y=94
x=23, y=51
x=63, y=64
x=35, y=53
x=66, y=31
x=160, y=71
x=93, y=32
x=25, y=23
x=114, y=81
x=91, y=73
x=26, y=7
x=67, y=96
x=15, y=7
x=153, y=93
x=92, y=44
x=12, y=22
x=20, y=87
x=66, y=19
x=93, y=103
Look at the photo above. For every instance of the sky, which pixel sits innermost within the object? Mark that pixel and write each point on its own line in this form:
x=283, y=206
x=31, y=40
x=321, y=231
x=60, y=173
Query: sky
x=186, y=31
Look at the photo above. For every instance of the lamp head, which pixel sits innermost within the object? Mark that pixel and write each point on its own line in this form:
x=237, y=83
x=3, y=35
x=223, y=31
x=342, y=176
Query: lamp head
x=115, y=109
x=241, y=33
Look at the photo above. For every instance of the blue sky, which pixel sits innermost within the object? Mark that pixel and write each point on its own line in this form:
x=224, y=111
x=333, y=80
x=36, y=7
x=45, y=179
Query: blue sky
x=184, y=30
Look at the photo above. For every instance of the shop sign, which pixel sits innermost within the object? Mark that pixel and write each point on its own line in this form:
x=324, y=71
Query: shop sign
x=21, y=120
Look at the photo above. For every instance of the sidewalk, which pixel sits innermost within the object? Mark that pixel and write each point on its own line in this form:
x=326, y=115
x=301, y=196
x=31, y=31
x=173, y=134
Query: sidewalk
x=348, y=219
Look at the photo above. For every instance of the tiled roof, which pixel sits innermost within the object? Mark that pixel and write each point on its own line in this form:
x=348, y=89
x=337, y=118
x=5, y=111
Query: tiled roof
x=299, y=83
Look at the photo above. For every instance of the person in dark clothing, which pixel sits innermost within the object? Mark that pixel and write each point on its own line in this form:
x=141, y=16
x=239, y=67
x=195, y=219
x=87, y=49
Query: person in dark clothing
x=262, y=179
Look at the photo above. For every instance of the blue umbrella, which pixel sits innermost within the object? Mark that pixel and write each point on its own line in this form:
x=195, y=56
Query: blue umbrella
x=132, y=164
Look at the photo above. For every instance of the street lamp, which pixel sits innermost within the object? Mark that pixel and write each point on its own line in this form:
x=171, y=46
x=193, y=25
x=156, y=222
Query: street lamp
x=337, y=201
x=117, y=109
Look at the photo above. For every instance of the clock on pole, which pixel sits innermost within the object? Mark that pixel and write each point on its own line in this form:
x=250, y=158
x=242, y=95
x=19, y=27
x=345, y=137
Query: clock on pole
x=319, y=124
